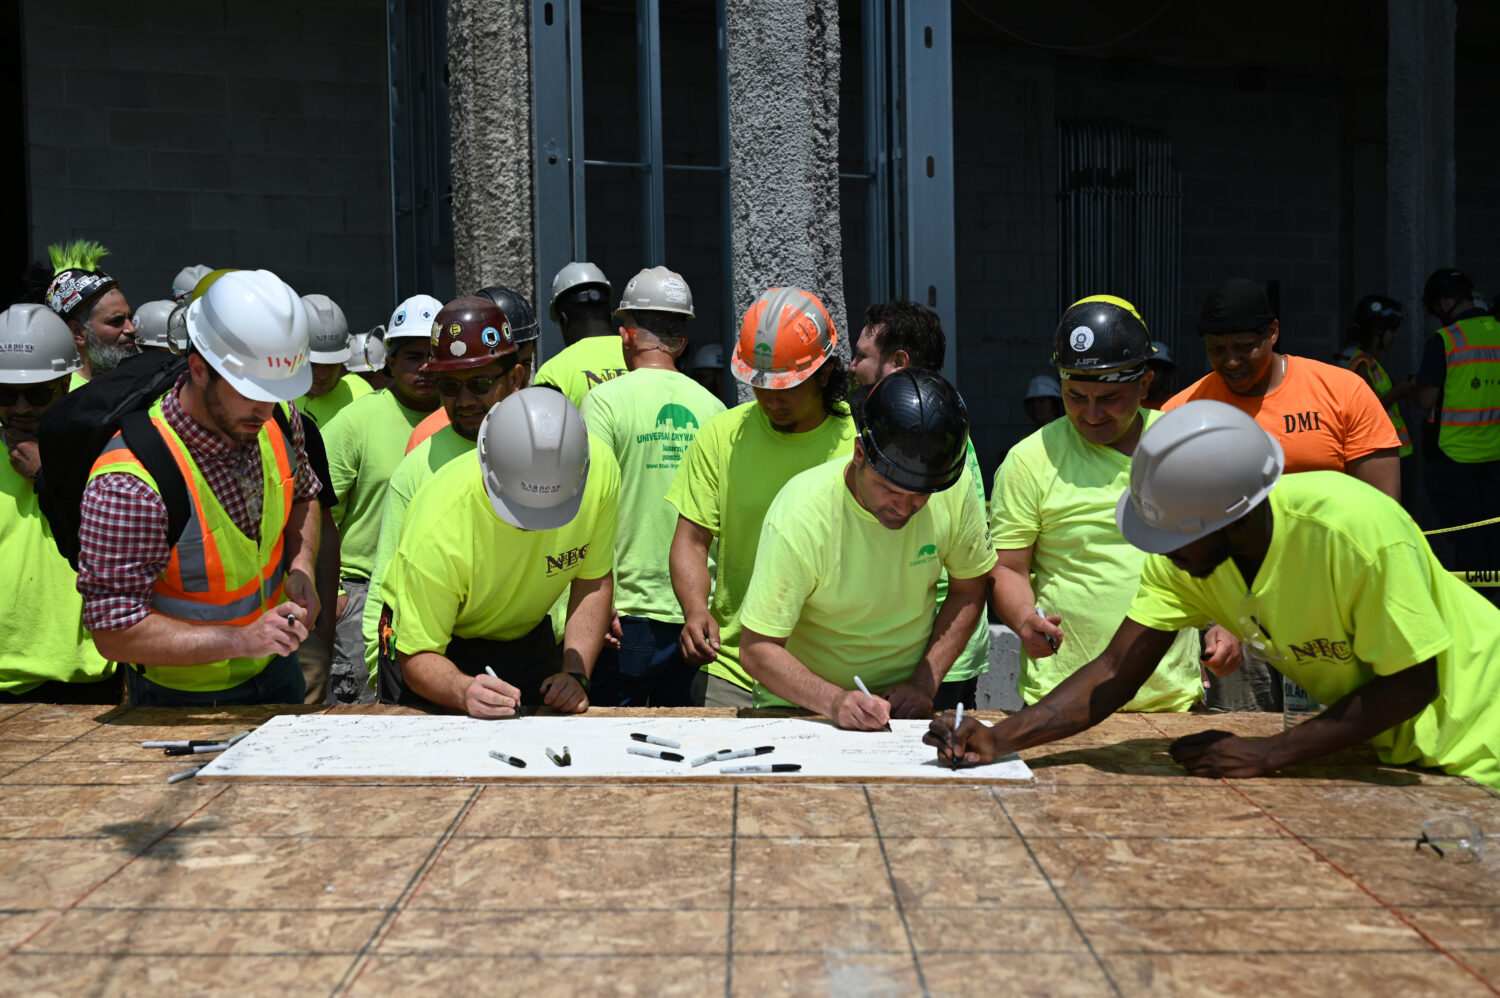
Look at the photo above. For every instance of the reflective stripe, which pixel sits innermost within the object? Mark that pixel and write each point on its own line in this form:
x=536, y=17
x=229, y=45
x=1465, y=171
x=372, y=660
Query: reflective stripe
x=243, y=610
x=1470, y=417
x=1474, y=355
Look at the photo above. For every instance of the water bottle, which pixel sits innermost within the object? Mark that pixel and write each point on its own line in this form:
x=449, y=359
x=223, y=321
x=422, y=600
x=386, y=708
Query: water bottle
x=1297, y=705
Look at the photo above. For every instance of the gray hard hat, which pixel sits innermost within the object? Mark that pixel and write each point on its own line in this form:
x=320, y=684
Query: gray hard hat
x=1198, y=468
x=366, y=351
x=1043, y=386
x=328, y=330
x=709, y=355
x=575, y=275
x=534, y=459
x=657, y=289
x=36, y=345
x=187, y=279
x=153, y=324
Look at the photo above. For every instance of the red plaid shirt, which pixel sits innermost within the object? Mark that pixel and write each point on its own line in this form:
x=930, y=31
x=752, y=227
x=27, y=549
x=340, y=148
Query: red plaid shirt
x=122, y=535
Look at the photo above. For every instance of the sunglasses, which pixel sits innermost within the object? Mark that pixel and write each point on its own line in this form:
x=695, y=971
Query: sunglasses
x=450, y=387
x=37, y=395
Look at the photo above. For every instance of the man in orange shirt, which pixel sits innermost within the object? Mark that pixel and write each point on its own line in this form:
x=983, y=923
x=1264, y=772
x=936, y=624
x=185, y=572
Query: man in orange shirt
x=1324, y=417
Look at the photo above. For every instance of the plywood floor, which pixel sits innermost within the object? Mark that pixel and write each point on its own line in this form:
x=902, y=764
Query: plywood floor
x=1114, y=874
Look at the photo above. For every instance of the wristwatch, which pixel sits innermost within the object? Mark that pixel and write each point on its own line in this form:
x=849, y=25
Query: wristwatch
x=582, y=680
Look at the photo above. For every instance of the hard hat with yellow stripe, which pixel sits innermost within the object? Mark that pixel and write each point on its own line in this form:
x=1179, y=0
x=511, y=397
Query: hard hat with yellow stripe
x=784, y=337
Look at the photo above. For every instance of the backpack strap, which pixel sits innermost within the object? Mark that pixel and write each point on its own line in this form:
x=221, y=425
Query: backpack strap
x=145, y=442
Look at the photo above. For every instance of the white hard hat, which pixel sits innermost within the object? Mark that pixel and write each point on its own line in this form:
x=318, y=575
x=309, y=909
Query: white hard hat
x=534, y=457
x=1162, y=355
x=177, y=334
x=708, y=355
x=657, y=289
x=327, y=330
x=366, y=351
x=412, y=318
x=251, y=328
x=153, y=324
x=1198, y=468
x=1044, y=386
x=571, y=277
x=35, y=345
x=187, y=279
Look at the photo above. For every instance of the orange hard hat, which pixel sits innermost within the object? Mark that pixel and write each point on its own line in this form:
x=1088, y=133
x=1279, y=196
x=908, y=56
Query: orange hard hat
x=469, y=332
x=785, y=336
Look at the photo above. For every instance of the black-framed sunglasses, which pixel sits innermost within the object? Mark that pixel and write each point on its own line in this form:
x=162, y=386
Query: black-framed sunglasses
x=450, y=387
x=37, y=395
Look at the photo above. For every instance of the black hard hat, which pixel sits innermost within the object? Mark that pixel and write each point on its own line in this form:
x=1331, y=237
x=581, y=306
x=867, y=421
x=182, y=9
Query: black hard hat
x=1102, y=338
x=914, y=429
x=1445, y=282
x=1378, y=312
x=523, y=324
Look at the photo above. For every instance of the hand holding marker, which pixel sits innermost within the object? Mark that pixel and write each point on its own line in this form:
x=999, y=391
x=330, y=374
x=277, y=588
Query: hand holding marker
x=866, y=691
x=1051, y=641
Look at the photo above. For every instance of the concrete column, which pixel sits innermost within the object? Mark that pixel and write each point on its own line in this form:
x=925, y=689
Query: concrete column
x=783, y=152
x=489, y=70
x=1419, y=152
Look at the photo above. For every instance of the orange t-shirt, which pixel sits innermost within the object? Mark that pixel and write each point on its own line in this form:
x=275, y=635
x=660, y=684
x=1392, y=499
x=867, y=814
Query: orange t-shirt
x=1324, y=416
x=427, y=428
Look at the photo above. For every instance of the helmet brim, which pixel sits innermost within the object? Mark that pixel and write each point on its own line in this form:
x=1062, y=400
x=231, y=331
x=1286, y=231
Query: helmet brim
x=1152, y=540
x=538, y=518
x=329, y=356
x=465, y=363
x=775, y=380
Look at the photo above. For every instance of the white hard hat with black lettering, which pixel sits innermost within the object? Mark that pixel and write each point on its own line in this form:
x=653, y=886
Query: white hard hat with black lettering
x=534, y=458
x=327, y=330
x=36, y=345
x=252, y=328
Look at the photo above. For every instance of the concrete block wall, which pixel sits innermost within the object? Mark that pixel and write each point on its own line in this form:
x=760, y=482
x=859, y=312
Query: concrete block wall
x=224, y=132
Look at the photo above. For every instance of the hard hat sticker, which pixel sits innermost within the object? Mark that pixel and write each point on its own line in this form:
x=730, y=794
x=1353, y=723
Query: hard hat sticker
x=490, y=336
x=400, y=318
x=1081, y=339
x=455, y=330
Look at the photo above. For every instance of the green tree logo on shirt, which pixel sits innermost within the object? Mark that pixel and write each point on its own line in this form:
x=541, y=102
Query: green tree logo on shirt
x=925, y=553
x=679, y=416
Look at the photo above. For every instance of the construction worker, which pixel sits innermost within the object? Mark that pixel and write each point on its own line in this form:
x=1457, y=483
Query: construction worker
x=216, y=618
x=93, y=306
x=45, y=653
x=738, y=462
x=707, y=368
x=152, y=326
x=897, y=335
x=845, y=583
x=474, y=370
x=1043, y=401
x=1064, y=576
x=1325, y=417
x=1458, y=383
x=1326, y=575
x=332, y=386
x=580, y=306
x=366, y=440
x=367, y=358
x=648, y=417
x=1373, y=330
x=524, y=330
x=1163, y=369
x=541, y=503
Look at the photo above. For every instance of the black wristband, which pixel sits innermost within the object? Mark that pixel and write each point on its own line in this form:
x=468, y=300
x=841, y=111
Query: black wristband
x=582, y=680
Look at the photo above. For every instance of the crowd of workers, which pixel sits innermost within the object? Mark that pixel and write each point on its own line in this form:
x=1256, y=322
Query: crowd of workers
x=282, y=510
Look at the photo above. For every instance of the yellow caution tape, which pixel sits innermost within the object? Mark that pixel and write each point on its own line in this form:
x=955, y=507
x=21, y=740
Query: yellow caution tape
x=1462, y=526
x=1481, y=578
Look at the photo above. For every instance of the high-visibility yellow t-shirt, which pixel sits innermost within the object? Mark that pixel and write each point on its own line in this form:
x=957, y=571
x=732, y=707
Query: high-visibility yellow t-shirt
x=974, y=660
x=852, y=597
x=1056, y=493
x=732, y=471
x=365, y=441
x=323, y=408
x=42, y=636
x=77, y=380
x=1350, y=590
x=648, y=417
x=410, y=475
x=586, y=364
x=467, y=573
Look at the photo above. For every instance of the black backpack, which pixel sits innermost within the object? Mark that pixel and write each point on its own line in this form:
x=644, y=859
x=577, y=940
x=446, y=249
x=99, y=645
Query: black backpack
x=78, y=428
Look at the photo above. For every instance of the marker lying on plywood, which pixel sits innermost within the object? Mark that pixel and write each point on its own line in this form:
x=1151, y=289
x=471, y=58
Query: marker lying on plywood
x=497, y=754
x=654, y=753
x=780, y=767
x=566, y=759
x=186, y=774
x=654, y=740
x=724, y=755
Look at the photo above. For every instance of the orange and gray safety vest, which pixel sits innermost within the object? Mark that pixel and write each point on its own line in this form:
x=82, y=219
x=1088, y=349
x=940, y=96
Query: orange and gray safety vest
x=1469, y=423
x=216, y=574
x=1367, y=367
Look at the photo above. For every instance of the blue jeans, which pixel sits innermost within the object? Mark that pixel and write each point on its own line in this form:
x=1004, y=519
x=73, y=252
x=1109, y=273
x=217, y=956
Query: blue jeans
x=647, y=671
x=279, y=682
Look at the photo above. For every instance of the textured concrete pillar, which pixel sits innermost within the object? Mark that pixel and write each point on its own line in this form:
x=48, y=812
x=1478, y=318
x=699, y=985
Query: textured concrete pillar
x=1419, y=152
x=784, y=151
x=489, y=69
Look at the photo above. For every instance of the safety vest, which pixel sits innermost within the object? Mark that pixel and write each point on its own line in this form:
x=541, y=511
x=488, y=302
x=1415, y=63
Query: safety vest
x=1367, y=367
x=1469, y=430
x=216, y=574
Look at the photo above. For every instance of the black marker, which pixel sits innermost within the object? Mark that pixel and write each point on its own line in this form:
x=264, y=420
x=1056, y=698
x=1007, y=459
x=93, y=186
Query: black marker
x=497, y=754
x=653, y=753
x=654, y=740
x=780, y=767
x=1051, y=642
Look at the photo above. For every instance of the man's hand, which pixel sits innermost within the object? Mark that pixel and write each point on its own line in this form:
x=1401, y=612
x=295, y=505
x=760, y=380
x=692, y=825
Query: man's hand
x=909, y=701
x=488, y=697
x=860, y=712
x=1036, y=630
x=562, y=692
x=24, y=456
x=276, y=632
x=699, y=640
x=1219, y=753
x=1222, y=650
x=301, y=590
x=615, y=632
x=973, y=744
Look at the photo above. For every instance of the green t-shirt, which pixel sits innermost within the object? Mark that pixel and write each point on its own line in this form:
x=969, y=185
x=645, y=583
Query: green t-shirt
x=1350, y=590
x=42, y=636
x=586, y=364
x=974, y=659
x=322, y=409
x=726, y=483
x=1057, y=491
x=467, y=573
x=851, y=596
x=77, y=381
x=366, y=441
x=410, y=475
x=648, y=417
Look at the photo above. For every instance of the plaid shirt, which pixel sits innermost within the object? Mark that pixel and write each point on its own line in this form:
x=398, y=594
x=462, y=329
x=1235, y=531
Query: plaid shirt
x=122, y=535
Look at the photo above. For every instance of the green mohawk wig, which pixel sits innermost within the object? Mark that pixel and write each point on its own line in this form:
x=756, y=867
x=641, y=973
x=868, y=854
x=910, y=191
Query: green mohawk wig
x=80, y=254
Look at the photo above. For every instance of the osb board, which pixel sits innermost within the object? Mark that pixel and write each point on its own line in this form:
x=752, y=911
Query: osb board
x=380, y=749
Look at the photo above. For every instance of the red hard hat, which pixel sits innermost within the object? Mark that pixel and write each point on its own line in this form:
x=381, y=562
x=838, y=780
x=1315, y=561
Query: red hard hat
x=469, y=332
